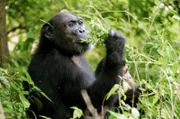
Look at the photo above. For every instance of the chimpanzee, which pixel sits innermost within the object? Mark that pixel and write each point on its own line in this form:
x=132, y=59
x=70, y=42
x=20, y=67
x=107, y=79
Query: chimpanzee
x=60, y=70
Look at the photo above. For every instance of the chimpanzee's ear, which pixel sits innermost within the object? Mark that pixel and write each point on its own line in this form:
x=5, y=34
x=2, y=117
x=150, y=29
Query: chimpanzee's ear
x=48, y=30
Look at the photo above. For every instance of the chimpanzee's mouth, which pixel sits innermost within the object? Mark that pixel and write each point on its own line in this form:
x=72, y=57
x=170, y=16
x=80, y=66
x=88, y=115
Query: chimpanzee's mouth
x=81, y=41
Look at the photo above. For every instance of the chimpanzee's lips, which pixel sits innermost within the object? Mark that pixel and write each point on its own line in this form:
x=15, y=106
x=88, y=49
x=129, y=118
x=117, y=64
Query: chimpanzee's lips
x=81, y=39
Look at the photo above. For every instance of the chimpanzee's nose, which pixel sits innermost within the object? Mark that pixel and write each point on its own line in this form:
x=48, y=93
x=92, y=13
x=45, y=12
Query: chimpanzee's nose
x=81, y=30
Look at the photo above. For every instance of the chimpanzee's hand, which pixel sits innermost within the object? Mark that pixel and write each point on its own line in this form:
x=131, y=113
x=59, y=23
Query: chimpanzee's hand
x=133, y=94
x=115, y=49
x=115, y=42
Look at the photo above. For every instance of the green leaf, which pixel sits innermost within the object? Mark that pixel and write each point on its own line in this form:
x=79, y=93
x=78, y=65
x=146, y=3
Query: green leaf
x=112, y=91
x=38, y=103
x=126, y=86
x=135, y=113
x=4, y=82
x=42, y=93
x=28, y=77
x=176, y=17
x=78, y=113
x=24, y=101
x=155, y=99
x=117, y=115
x=45, y=117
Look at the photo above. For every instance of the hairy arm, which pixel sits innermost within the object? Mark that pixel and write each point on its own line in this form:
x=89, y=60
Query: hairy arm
x=108, y=70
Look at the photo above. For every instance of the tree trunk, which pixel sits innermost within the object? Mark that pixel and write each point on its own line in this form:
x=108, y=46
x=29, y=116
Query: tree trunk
x=4, y=52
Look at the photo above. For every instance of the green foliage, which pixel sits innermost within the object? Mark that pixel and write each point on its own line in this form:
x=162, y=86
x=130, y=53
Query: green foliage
x=112, y=91
x=77, y=113
x=152, y=51
x=12, y=94
x=134, y=114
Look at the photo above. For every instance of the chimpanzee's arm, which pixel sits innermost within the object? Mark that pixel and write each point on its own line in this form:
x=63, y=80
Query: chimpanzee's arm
x=108, y=70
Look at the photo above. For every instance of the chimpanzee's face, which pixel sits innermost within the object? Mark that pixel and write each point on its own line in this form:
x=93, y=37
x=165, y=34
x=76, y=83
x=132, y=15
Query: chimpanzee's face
x=74, y=28
x=68, y=31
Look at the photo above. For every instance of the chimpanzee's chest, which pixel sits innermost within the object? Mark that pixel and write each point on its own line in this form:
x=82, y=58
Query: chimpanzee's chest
x=83, y=70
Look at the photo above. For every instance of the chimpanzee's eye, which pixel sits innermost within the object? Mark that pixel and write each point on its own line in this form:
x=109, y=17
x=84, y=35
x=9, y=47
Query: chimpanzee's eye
x=71, y=24
x=81, y=22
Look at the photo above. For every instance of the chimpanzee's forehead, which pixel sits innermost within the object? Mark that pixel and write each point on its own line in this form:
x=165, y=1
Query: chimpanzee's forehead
x=69, y=17
x=66, y=17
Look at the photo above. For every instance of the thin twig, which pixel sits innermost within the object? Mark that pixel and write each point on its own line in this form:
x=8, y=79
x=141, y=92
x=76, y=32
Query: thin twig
x=57, y=5
x=175, y=102
x=1, y=112
x=89, y=105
